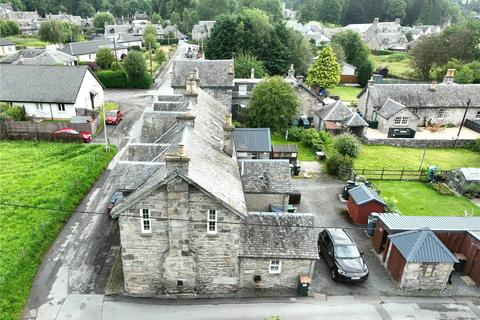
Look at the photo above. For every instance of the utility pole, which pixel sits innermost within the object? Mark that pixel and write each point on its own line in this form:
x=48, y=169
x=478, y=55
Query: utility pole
x=105, y=127
x=423, y=157
x=150, y=50
x=463, y=120
x=115, y=49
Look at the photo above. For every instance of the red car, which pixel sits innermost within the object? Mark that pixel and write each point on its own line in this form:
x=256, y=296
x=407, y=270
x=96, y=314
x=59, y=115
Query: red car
x=86, y=136
x=113, y=117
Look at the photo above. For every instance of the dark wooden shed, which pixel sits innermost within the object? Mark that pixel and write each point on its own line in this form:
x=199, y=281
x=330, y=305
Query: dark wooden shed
x=362, y=202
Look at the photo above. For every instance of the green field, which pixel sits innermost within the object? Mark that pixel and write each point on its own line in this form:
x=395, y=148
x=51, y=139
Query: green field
x=28, y=41
x=39, y=174
x=417, y=199
x=398, y=64
x=304, y=153
x=346, y=93
x=378, y=157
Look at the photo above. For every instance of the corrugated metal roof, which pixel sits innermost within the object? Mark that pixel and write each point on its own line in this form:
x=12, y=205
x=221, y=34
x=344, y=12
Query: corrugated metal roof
x=363, y=194
x=284, y=148
x=252, y=140
x=394, y=221
x=471, y=174
x=422, y=246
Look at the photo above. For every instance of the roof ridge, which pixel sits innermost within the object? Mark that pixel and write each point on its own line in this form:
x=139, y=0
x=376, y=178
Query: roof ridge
x=423, y=233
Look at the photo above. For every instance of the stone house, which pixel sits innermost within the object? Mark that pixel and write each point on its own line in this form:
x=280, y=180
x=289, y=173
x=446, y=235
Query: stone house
x=242, y=93
x=202, y=30
x=53, y=92
x=42, y=57
x=7, y=47
x=381, y=35
x=395, y=115
x=338, y=118
x=86, y=51
x=309, y=100
x=186, y=230
x=438, y=104
x=417, y=259
x=213, y=76
x=266, y=183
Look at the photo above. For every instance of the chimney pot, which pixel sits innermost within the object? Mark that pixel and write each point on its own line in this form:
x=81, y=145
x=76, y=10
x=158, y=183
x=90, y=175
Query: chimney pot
x=181, y=150
x=228, y=129
x=231, y=69
x=371, y=83
x=228, y=120
x=433, y=86
x=376, y=20
x=196, y=75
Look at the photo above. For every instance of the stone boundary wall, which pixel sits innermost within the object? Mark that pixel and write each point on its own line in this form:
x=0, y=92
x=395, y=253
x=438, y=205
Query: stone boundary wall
x=417, y=143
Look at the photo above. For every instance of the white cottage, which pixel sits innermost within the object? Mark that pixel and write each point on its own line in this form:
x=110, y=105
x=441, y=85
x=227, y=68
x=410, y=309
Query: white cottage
x=53, y=92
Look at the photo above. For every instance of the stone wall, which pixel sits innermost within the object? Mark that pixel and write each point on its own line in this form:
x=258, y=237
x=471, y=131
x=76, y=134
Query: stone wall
x=416, y=143
x=308, y=103
x=287, y=279
x=179, y=250
x=260, y=202
x=413, y=277
x=385, y=124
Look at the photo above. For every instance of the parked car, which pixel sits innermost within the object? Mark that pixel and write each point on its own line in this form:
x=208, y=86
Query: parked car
x=113, y=117
x=116, y=196
x=86, y=136
x=342, y=255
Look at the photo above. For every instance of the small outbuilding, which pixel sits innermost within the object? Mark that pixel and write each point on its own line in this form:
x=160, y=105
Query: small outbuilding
x=458, y=179
x=285, y=151
x=417, y=259
x=362, y=202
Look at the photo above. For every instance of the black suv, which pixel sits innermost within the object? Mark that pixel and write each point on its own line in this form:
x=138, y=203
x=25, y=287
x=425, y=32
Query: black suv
x=341, y=255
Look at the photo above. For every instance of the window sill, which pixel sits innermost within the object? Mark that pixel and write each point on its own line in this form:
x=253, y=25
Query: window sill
x=212, y=235
x=144, y=234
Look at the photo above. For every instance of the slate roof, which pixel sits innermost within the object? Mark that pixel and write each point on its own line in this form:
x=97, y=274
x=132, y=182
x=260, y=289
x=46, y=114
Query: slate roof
x=212, y=73
x=422, y=246
x=22, y=53
x=210, y=168
x=471, y=174
x=266, y=176
x=336, y=111
x=29, y=83
x=279, y=235
x=131, y=175
x=355, y=120
x=363, y=194
x=390, y=108
x=48, y=58
x=6, y=42
x=291, y=148
x=252, y=140
x=89, y=47
x=419, y=95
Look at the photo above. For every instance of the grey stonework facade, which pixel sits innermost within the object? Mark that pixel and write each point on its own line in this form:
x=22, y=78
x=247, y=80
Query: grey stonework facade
x=260, y=202
x=221, y=94
x=385, y=124
x=417, y=276
x=416, y=143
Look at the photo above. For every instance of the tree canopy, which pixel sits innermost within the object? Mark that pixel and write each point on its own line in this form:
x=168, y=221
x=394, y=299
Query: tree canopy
x=134, y=65
x=355, y=49
x=102, y=18
x=9, y=28
x=245, y=62
x=325, y=72
x=104, y=58
x=273, y=105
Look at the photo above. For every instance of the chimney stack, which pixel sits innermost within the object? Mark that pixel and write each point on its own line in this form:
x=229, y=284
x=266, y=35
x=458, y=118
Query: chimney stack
x=196, y=76
x=433, y=86
x=397, y=20
x=191, y=89
x=231, y=69
x=228, y=135
x=371, y=83
x=449, y=77
x=376, y=20
x=187, y=117
x=177, y=161
x=252, y=73
x=291, y=72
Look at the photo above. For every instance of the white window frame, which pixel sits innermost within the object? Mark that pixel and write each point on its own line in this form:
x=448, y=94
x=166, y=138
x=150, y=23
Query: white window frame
x=145, y=220
x=415, y=111
x=61, y=107
x=400, y=121
x=275, y=266
x=242, y=89
x=212, y=221
x=441, y=113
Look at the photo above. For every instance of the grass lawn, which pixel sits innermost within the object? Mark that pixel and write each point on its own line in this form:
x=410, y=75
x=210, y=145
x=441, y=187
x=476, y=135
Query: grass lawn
x=378, y=157
x=28, y=41
x=398, y=64
x=346, y=93
x=417, y=199
x=41, y=174
x=304, y=153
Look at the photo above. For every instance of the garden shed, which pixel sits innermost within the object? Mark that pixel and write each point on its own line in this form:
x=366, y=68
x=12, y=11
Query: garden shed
x=458, y=179
x=362, y=202
x=417, y=259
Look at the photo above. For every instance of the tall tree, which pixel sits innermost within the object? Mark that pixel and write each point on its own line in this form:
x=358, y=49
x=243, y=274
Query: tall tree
x=330, y=11
x=309, y=10
x=425, y=53
x=374, y=8
x=245, y=62
x=135, y=65
x=272, y=7
x=394, y=9
x=211, y=9
x=52, y=31
x=325, y=72
x=356, y=51
x=354, y=13
x=273, y=105
x=101, y=19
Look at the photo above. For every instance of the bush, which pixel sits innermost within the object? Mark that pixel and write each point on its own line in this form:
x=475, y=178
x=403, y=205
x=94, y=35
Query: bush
x=347, y=145
x=442, y=188
x=112, y=79
x=391, y=205
x=472, y=190
x=134, y=48
x=8, y=112
x=397, y=57
x=475, y=145
x=116, y=66
x=144, y=82
x=135, y=66
x=105, y=58
x=165, y=42
x=295, y=134
x=93, y=66
x=311, y=138
x=337, y=161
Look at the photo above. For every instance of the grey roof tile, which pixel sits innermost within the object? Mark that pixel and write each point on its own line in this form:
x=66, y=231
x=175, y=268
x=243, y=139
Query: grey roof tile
x=266, y=176
x=29, y=83
x=363, y=194
x=89, y=47
x=212, y=73
x=355, y=120
x=22, y=53
x=279, y=235
x=253, y=139
x=6, y=42
x=422, y=246
x=336, y=111
x=390, y=108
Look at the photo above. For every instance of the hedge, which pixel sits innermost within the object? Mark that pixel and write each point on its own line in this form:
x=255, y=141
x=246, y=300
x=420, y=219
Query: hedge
x=119, y=80
x=164, y=42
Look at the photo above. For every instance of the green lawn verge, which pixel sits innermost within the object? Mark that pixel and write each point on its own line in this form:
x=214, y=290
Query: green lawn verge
x=41, y=174
x=378, y=157
x=28, y=41
x=398, y=64
x=420, y=199
x=305, y=153
x=346, y=93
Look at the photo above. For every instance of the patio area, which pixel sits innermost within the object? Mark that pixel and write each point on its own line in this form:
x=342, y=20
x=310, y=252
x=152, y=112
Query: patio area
x=424, y=133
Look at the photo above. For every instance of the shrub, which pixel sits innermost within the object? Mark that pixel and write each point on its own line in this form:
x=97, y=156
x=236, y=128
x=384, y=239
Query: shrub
x=93, y=66
x=347, y=145
x=295, y=134
x=135, y=66
x=336, y=161
x=105, y=58
x=391, y=205
x=8, y=112
x=160, y=56
x=144, y=82
x=116, y=66
x=475, y=145
x=397, y=57
x=472, y=190
x=442, y=188
x=112, y=79
x=165, y=42
x=311, y=138
x=135, y=48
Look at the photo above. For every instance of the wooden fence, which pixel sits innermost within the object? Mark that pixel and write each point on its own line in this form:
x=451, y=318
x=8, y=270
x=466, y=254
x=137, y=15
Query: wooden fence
x=390, y=174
